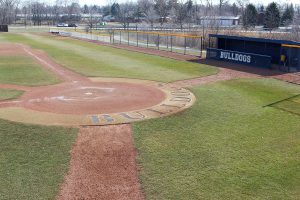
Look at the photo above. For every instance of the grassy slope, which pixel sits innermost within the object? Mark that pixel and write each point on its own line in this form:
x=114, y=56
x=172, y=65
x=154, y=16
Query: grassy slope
x=33, y=160
x=22, y=70
x=6, y=94
x=226, y=147
x=95, y=60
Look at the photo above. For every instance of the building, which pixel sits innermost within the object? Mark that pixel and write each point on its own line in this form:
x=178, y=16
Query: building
x=257, y=52
x=219, y=21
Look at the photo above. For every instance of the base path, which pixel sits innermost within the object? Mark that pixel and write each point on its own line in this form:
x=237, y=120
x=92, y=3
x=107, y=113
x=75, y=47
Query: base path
x=103, y=165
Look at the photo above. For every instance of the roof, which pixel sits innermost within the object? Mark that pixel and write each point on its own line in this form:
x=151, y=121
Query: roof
x=220, y=18
x=253, y=39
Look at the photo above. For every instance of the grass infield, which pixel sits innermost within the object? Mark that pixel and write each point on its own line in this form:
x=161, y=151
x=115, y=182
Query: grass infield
x=96, y=60
x=227, y=146
x=6, y=94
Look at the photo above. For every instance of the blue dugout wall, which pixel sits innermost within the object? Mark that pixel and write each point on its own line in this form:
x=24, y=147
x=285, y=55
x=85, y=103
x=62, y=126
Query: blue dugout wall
x=259, y=52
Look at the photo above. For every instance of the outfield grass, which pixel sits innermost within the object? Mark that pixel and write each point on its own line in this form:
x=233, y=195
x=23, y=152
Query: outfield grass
x=95, y=60
x=6, y=94
x=23, y=70
x=227, y=146
x=33, y=160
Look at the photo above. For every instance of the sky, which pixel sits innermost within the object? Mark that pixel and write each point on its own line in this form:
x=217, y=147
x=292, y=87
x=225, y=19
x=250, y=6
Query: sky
x=104, y=2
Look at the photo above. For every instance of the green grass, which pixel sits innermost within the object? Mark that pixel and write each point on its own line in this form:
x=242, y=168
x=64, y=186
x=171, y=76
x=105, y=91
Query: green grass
x=33, y=160
x=23, y=70
x=95, y=60
x=6, y=94
x=227, y=146
x=291, y=105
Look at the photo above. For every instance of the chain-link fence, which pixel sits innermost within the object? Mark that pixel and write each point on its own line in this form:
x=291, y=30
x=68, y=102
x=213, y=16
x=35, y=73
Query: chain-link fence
x=165, y=41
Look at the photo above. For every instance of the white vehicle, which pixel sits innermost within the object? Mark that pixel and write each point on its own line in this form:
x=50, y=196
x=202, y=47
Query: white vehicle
x=62, y=25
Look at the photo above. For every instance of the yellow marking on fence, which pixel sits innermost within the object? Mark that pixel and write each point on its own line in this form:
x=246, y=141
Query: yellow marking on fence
x=290, y=45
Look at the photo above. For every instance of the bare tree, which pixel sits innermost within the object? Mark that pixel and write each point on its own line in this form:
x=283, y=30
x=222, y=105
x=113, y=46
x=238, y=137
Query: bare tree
x=126, y=14
x=93, y=18
x=162, y=9
x=221, y=4
x=37, y=10
x=7, y=11
x=147, y=8
x=181, y=12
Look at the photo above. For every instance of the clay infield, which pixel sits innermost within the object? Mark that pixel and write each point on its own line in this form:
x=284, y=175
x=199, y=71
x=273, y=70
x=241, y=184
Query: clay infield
x=79, y=100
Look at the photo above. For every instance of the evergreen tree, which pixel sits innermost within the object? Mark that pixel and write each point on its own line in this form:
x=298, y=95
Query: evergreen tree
x=249, y=16
x=288, y=15
x=85, y=9
x=115, y=10
x=272, y=17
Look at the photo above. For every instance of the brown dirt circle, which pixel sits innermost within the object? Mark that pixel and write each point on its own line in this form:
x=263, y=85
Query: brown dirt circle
x=92, y=98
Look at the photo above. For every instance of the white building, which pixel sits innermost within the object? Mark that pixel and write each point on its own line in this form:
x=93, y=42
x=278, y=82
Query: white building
x=220, y=21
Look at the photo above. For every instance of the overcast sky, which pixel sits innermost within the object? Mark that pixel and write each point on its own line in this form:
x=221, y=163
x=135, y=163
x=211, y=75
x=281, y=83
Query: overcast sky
x=104, y=2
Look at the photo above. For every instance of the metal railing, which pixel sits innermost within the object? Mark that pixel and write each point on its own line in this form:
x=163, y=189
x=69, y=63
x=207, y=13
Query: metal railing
x=165, y=41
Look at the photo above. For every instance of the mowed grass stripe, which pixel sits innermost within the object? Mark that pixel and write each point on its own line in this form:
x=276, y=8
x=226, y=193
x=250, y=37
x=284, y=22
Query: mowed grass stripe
x=95, y=60
x=23, y=70
x=33, y=160
x=6, y=94
x=227, y=146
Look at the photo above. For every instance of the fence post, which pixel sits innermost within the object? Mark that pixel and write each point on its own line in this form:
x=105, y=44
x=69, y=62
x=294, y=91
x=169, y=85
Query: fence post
x=120, y=37
x=128, y=37
x=201, y=47
x=158, y=41
x=167, y=42
x=184, y=45
x=113, y=36
x=137, y=39
x=109, y=37
x=171, y=43
x=147, y=40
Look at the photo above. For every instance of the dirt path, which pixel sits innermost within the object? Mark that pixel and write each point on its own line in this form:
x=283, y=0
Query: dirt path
x=103, y=165
x=224, y=74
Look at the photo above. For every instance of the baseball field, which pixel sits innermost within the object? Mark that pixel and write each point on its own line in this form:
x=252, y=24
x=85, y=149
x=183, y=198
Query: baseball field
x=80, y=120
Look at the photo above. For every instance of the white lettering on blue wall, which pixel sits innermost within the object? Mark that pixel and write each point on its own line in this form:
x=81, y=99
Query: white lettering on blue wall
x=235, y=57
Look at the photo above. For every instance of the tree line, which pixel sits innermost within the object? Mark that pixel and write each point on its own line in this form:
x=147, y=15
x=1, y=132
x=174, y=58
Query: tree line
x=270, y=17
x=178, y=12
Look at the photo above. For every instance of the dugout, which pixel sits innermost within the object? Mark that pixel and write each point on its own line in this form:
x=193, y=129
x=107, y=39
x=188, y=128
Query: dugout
x=257, y=52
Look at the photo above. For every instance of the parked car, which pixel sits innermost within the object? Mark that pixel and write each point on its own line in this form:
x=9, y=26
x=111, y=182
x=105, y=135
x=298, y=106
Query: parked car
x=72, y=25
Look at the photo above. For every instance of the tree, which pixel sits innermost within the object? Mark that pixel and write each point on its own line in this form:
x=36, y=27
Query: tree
x=234, y=9
x=288, y=15
x=249, y=16
x=7, y=11
x=221, y=4
x=37, y=10
x=261, y=16
x=147, y=8
x=181, y=13
x=93, y=18
x=85, y=9
x=272, y=17
x=126, y=14
x=189, y=9
x=115, y=9
x=162, y=9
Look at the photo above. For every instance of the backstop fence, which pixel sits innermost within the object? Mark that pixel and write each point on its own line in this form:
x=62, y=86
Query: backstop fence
x=165, y=41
